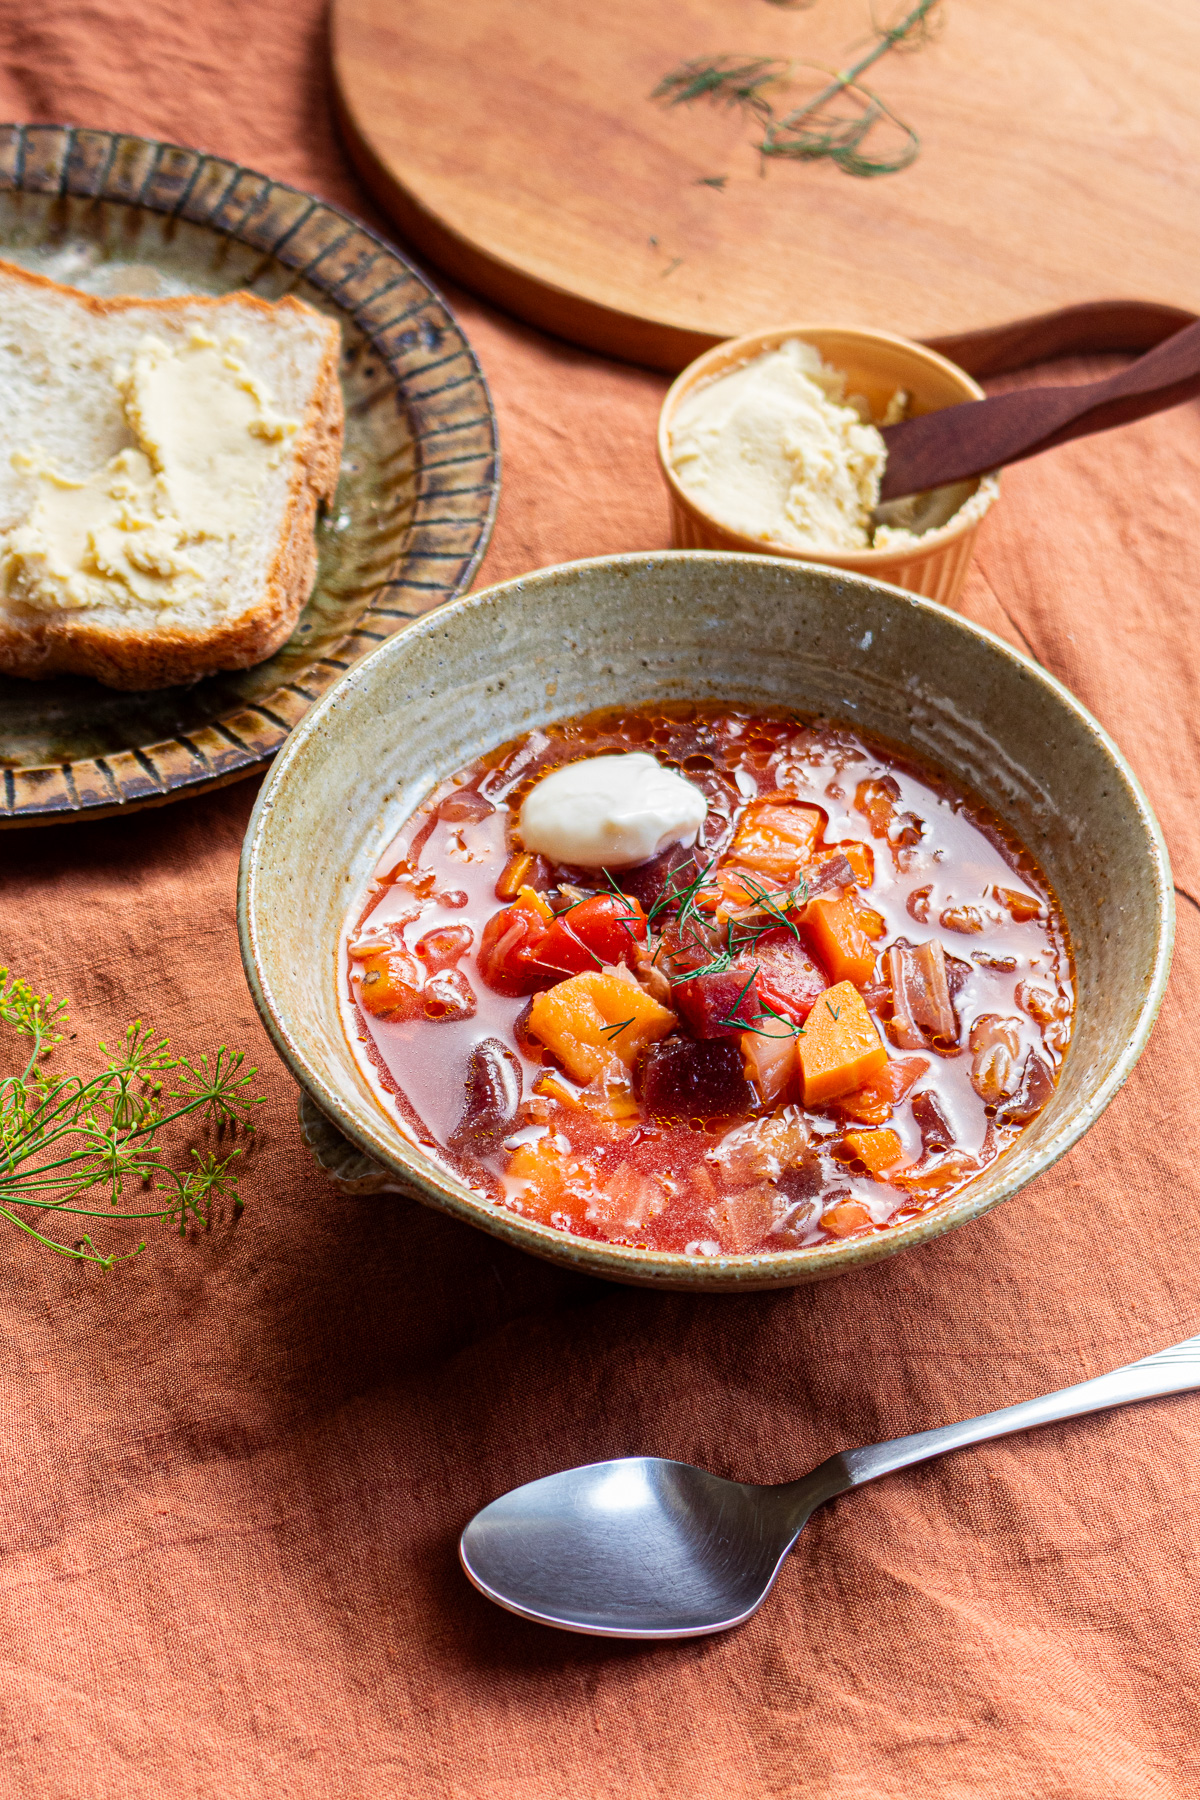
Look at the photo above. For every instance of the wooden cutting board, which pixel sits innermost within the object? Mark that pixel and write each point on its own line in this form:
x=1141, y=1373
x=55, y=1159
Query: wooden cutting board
x=514, y=142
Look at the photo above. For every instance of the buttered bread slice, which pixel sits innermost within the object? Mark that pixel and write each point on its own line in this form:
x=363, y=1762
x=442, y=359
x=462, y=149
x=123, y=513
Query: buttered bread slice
x=161, y=462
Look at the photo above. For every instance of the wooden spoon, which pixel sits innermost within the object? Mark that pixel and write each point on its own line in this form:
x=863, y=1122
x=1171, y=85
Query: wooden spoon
x=961, y=441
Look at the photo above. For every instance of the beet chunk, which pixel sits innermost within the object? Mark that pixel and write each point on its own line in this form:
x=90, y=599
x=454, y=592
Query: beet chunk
x=493, y=1093
x=719, y=1005
x=682, y=1079
x=674, y=868
x=788, y=978
x=936, y=1131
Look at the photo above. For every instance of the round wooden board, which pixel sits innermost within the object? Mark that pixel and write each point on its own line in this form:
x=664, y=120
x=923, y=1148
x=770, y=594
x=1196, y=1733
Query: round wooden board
x=516, y=145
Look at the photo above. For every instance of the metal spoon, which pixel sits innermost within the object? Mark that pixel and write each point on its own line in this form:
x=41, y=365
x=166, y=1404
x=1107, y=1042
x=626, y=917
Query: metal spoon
x=648, y=1548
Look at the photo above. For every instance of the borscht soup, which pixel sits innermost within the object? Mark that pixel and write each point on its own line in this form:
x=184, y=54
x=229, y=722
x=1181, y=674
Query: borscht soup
x=709, y=980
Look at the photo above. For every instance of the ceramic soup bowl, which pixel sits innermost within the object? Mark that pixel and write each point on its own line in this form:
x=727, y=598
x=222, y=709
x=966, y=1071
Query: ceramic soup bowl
x=708, y=626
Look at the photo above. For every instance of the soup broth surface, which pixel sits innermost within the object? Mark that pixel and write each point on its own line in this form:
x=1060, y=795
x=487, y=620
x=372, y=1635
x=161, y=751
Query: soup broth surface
x=847, y=999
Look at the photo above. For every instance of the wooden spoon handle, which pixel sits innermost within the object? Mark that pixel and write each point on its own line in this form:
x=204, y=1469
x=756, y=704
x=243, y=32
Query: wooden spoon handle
x=966, y=440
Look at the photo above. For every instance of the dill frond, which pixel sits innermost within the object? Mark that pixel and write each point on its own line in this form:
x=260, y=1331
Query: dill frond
x=814, y=130
x=844, y=122
x=69, y=1142
x=725, y=81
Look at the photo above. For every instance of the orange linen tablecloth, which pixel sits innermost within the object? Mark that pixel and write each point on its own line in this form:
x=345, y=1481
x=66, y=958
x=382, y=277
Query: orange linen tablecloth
x=233, y=1471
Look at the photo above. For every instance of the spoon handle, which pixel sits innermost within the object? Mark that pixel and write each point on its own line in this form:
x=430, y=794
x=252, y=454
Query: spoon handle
x=964, y=440
x=1173, y=1371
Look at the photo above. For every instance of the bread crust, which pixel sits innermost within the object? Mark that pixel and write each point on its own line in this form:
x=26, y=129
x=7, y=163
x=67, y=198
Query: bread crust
x=168, y=658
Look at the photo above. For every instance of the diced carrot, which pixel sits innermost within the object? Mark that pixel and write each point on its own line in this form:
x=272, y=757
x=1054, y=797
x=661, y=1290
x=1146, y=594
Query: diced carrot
x=593, y=1019
x=730, y=891
x=839, y=940
x=536, y=902
x=861, y=858
x=840, y=1049
x=390, y=984
x=550, y=1182
x=847, y=1217
x=879, y=1150
x=514, y=875
x=873, y=1102
x=776, y=837
x=769, y=1055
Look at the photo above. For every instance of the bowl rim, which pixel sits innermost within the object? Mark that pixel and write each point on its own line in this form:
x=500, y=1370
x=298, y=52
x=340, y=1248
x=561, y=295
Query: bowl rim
x=755, y=343
x=624, y=1263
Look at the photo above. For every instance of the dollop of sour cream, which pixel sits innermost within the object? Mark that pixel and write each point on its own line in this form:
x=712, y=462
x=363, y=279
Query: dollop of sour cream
x=611, y=812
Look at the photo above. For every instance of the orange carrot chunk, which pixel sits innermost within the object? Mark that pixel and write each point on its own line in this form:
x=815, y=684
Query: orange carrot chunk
x=840, y=1049
x=776, y=837
x=879, y=1150
x=847, y=1217
x=840, y=942
x=861, y=858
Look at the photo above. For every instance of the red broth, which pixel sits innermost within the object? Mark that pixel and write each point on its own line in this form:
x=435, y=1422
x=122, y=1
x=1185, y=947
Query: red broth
x=847, y=1001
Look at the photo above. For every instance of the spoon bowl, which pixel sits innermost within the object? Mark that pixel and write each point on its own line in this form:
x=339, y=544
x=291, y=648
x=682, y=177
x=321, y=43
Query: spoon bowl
x=642, y=1547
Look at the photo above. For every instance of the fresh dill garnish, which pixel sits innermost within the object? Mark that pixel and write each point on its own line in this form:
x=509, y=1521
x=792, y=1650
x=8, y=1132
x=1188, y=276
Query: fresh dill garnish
x=769, y=1012
x=718, y=965
x=712, y=181
x=685, y=896
x=63, y=1137
x=731, y=1018
x=777, y=902
x=614, y=1031
x=835, y=1015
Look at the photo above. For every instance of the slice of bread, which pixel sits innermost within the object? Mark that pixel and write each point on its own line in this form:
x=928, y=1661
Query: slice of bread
x=62, y=357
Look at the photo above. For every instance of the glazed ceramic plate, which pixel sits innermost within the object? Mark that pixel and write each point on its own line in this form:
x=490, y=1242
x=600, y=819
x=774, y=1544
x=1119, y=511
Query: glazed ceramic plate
x=420, y=474
x=704, y=625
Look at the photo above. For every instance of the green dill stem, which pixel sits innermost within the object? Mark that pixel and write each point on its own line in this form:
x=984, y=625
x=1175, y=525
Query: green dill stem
x=105, y=1262
x=731, y=1019
x=888, y=38
x=722, y=80
x=111, y=1120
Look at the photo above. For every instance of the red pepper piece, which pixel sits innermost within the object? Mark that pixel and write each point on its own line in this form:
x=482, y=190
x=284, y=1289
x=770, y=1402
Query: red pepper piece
x=603, y=930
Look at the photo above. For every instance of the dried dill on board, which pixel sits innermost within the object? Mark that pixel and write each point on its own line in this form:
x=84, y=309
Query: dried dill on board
x=845, y=122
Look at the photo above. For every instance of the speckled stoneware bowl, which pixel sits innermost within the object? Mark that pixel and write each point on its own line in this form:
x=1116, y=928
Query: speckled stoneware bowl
x=702, y=625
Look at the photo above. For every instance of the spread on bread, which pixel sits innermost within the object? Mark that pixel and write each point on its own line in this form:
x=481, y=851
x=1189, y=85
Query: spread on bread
x=133, y=531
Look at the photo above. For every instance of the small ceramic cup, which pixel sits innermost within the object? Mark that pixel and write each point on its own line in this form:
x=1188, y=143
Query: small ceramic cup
x=875, y=364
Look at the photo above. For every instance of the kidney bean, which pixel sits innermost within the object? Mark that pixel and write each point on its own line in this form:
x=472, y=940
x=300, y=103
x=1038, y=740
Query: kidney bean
x=937, y=1133
x=493, y=1093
